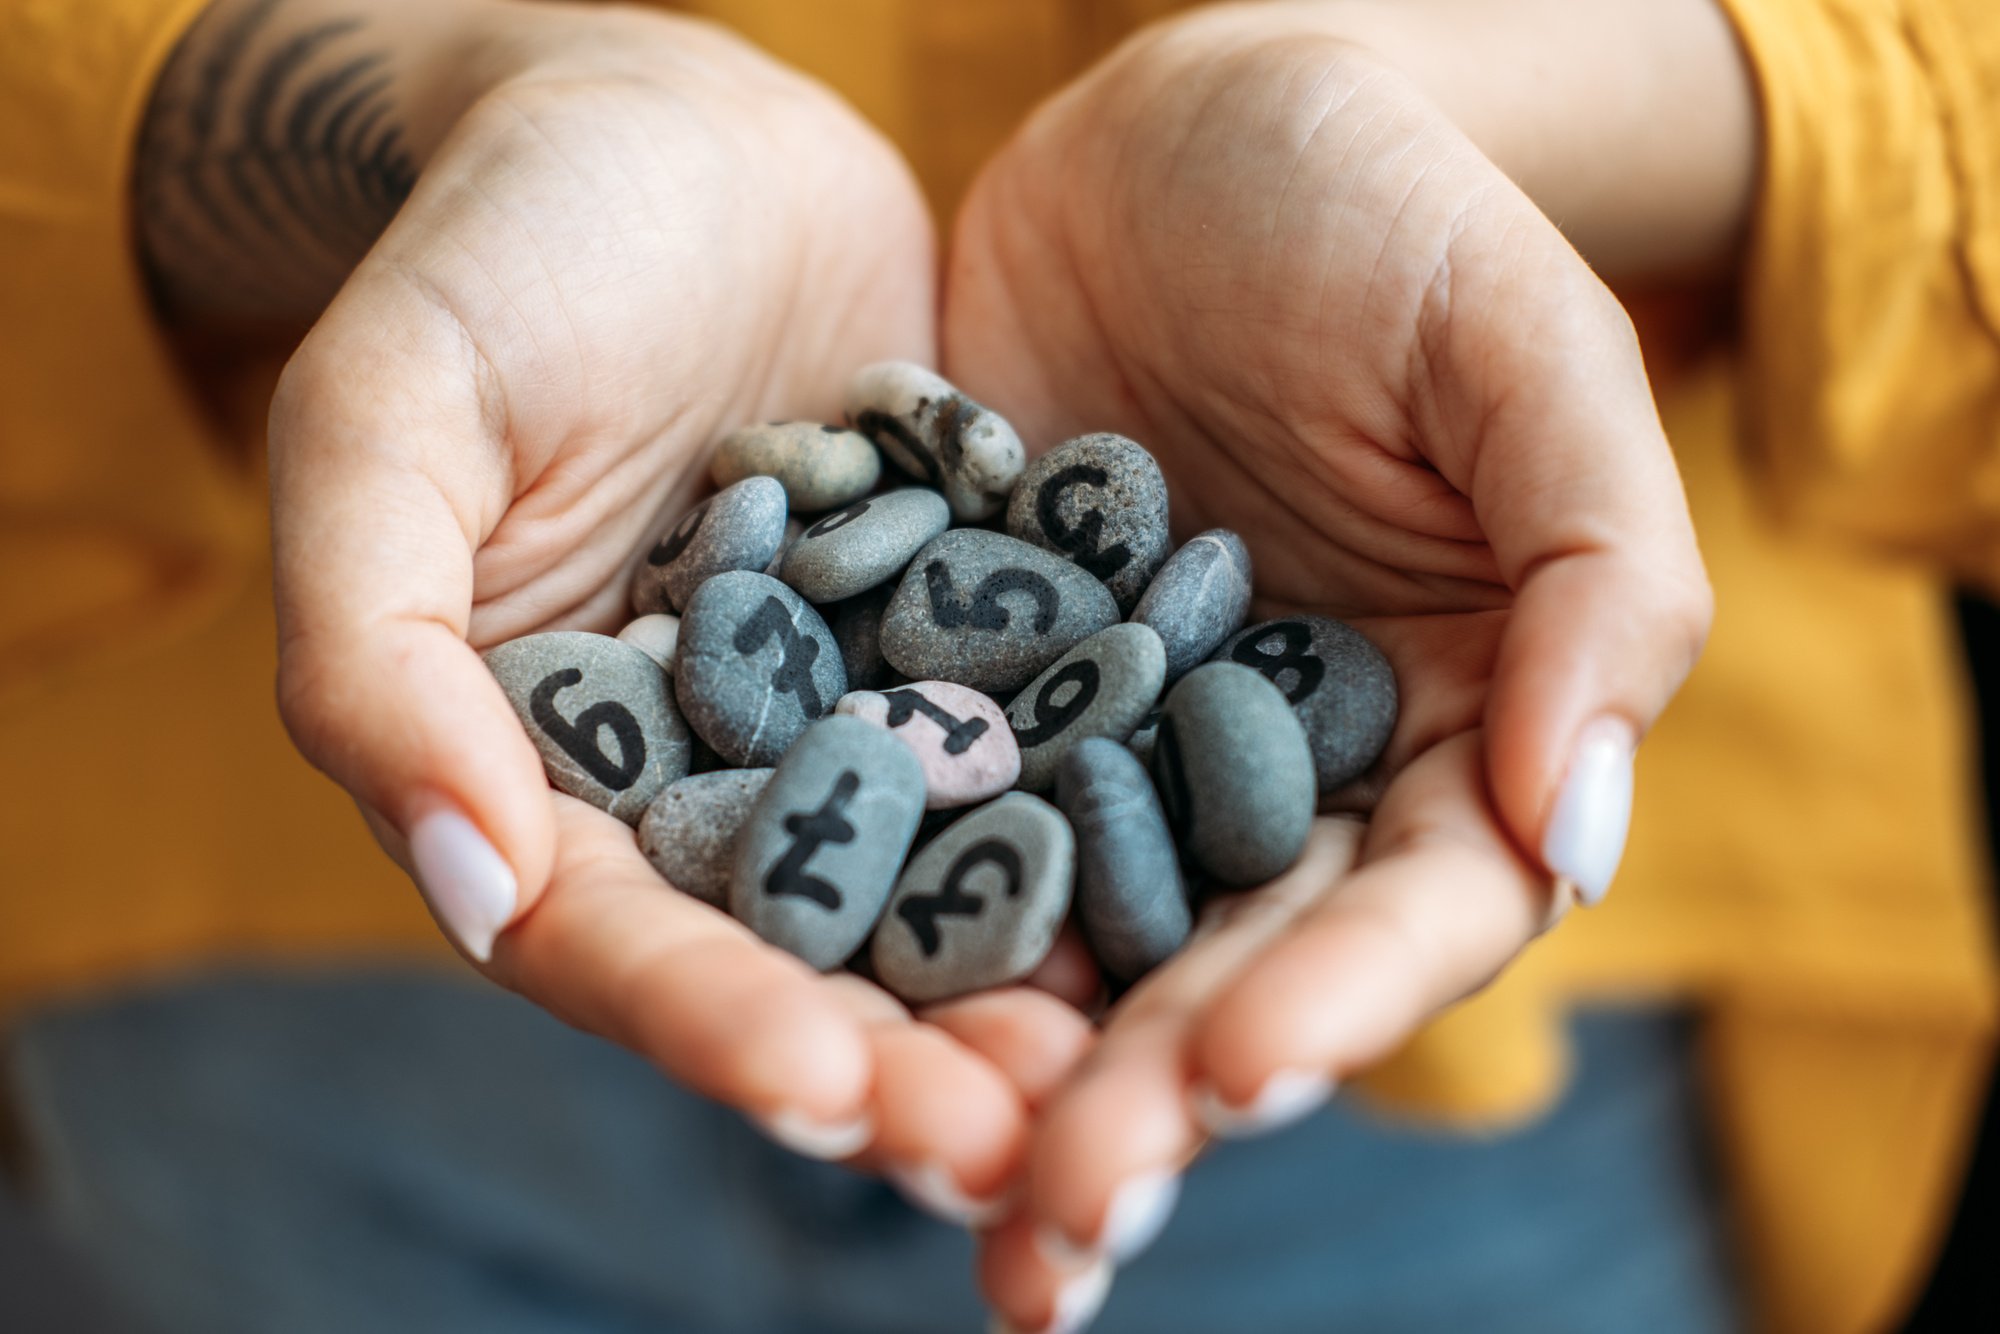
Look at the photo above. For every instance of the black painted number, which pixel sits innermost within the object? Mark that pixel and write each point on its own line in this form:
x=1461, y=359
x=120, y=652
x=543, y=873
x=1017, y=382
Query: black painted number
x=1082, y=541
x=1294, y=655
x=921, y=911
x=983, y=610
x=578, y=736
x=959, y=733
x=810, y=830
x=1170, y=771
x=674, y=543
x=838, y=520
x=1050, y=719
x=794, y=671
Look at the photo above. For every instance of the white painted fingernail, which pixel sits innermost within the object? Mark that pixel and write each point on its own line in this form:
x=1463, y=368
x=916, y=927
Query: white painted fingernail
x=1586, y=833
x=932, y=1188
x=464, y=878
x=1287, y=1097
x=1080, y=1299
x=829, y=1143
x=1138, y=1214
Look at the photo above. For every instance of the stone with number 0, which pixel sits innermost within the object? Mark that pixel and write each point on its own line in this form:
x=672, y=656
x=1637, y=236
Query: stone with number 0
x=818, y=856
x=601, y=713
x=755, y=666
x=980, y=906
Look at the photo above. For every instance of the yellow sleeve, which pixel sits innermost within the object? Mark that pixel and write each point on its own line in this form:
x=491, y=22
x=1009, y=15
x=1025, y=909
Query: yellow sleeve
x=1872, y=301
x=120, y=517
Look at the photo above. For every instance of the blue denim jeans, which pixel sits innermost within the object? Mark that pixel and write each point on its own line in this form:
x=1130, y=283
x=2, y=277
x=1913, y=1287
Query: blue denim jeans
x=394, y=1151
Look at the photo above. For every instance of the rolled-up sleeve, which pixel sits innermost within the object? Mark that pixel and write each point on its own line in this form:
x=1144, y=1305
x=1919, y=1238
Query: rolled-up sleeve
x=122, y=515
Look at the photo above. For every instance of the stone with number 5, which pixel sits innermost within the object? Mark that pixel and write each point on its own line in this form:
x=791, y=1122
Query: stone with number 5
x=601, y=713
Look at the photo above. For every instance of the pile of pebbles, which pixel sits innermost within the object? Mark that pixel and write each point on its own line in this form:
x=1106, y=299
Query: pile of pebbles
x=922, y=729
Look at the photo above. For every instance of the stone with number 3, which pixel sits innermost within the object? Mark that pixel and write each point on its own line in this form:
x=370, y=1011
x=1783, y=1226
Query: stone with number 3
x=980, y=906
x=601, y=713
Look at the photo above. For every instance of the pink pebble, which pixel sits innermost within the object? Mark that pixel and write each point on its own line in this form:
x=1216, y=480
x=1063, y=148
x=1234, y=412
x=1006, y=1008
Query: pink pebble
x=959, y=736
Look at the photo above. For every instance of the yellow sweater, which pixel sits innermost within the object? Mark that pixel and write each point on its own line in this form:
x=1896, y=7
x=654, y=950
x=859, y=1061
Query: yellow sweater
x=1804, y=863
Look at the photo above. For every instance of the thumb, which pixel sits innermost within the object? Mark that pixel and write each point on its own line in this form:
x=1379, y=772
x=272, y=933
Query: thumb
x=1576, y=490
x=387, y=471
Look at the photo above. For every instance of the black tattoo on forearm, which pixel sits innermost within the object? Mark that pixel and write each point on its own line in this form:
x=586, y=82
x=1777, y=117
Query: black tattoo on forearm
x=272, y=156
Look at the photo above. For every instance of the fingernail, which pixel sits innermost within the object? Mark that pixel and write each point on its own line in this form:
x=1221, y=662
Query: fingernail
x=827, y=1142
x=1077, y=1303
x=1287, y=1097
x=465, y=880
x=1586, y=834
x=1139, y=1213
x=932, y=1188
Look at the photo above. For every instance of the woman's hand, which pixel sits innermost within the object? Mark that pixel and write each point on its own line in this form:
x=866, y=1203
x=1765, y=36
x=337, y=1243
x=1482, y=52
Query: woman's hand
x=623, y=235
x=1259, y=248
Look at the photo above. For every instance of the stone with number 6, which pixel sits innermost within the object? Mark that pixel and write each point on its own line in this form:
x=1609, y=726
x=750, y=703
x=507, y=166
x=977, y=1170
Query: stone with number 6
x=601, y=713
x=817, y=858
x=755, y=666
x=980, y=906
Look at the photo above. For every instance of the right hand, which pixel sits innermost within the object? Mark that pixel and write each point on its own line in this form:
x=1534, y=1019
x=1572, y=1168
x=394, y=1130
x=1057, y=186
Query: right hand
x=642, y=236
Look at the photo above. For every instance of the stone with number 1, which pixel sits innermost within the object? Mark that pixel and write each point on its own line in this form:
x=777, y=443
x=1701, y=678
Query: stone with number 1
x=601, y=713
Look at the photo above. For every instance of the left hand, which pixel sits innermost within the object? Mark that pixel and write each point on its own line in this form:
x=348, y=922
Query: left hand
x=1346, y=334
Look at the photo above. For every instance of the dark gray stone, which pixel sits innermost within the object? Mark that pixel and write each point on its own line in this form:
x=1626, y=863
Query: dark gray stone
x=990, y=611
x=1340, y=685
x=1140, y=743
x=980, y=906
x=1098, y=500
x=739, y=528
x=937, y=435
x=755, y=667
x=817, y=859
x=1198, y=599
x=1235, y=774
x=1104, y=687
x=1130, y=899
x=820, y=467
x=689, y=832
x=601, y=713
x=865, y=545
x=857, y=626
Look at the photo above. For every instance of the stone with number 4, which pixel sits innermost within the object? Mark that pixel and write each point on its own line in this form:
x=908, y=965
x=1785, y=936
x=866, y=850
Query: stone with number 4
x=817, y=859
x=980, y=906
x=990, y=611
x=1104, y=687
x=1235, y=774
x=1339, y=684
x=755, y=666
x=601, y=713
x=959, y=736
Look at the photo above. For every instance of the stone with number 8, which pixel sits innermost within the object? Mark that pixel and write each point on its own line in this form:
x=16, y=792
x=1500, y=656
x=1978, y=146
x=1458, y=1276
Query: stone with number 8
x=1340, y=686
x=980, y=906
x=601, y=713
x=755, y=666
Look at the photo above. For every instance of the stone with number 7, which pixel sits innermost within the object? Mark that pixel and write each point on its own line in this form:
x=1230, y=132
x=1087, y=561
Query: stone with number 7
x=755, y=666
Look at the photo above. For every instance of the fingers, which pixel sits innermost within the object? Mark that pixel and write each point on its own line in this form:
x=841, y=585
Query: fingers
x=1043, y=1294
x=385, y=477
x=613, y=949
x=1544, y=416
x=1440, y=902
x=1032, y=1037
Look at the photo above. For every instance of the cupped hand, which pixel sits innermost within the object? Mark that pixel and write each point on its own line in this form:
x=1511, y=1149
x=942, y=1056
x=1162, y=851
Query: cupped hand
x=1346, y=335
x=642, y=237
